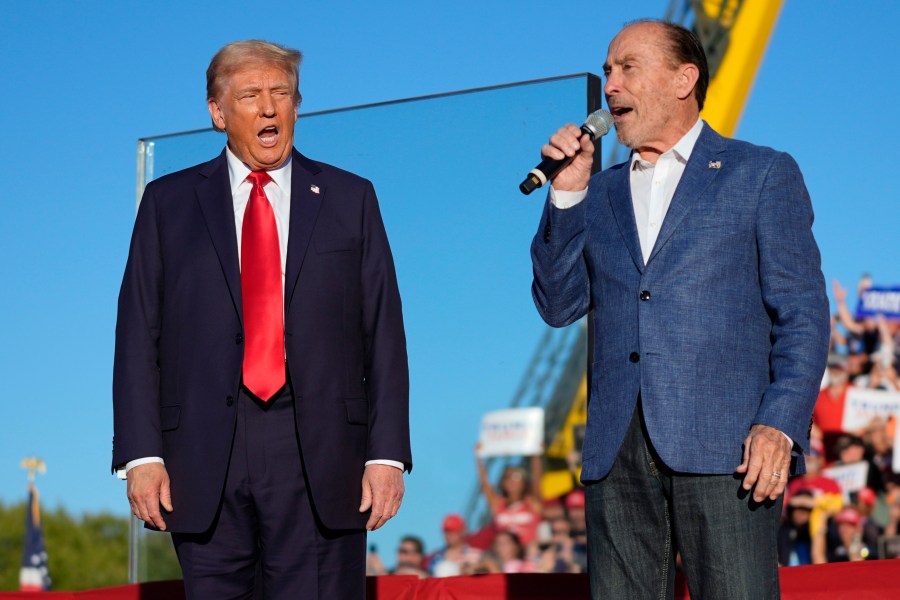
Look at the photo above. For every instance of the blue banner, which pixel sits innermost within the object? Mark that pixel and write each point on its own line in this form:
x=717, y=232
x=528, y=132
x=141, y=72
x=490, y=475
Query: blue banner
x=879, y=301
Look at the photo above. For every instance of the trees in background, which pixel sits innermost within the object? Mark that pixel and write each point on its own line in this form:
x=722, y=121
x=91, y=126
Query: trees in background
x=85, y=552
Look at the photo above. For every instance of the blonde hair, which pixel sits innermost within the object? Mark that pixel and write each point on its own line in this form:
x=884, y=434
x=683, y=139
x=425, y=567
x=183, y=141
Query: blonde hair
x=239, y=54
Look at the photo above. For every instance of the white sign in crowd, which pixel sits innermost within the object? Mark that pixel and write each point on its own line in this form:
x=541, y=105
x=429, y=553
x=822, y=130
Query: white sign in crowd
x=862, y=406
x=851, y=477
x=512, y=432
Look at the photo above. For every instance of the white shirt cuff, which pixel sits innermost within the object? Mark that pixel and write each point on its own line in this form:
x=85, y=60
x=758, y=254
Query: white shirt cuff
x=790, y=441
x=390, y=463
x=562, y=199
x=122, y=473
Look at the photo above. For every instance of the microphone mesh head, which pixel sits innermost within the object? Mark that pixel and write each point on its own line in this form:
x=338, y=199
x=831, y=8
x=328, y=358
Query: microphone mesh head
x=599, y=122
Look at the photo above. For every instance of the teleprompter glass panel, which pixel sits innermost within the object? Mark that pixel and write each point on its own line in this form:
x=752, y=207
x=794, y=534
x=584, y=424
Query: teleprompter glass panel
x=446, y=169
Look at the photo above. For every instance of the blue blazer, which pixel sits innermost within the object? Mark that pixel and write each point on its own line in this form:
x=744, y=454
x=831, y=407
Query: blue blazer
x=726, y=325
x=179, y=338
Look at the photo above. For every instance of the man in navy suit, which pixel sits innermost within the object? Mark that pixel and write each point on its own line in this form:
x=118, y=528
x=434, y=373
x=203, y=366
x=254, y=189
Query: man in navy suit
x=710, y=328
x=260, y=379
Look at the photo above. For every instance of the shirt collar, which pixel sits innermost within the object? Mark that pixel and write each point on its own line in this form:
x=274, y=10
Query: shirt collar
x=238, y=171
x=682, y=148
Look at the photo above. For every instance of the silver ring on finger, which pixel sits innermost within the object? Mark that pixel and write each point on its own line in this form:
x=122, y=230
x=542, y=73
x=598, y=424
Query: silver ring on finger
x=776, y=474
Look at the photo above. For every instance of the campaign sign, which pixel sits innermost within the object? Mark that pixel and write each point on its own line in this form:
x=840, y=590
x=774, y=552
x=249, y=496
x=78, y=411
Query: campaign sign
x=512, y=432
x=851, y=477
x=879, y=301
x=863, y=405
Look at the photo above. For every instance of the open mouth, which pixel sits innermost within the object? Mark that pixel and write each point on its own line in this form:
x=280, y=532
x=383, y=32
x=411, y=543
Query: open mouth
x=620, y=111
x=268, y=135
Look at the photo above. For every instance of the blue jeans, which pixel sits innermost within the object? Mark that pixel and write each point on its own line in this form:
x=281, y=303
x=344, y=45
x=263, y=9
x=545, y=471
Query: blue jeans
x=642, y=513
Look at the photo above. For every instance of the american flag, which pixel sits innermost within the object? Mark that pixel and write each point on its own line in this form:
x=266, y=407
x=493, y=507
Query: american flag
x=34, y=575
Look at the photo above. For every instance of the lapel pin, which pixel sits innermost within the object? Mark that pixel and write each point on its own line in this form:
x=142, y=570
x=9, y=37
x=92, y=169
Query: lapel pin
x=315, y=189
x=715, y=164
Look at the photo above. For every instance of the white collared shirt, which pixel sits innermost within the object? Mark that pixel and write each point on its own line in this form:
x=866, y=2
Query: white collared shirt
x=278, y=191
x=652, y=187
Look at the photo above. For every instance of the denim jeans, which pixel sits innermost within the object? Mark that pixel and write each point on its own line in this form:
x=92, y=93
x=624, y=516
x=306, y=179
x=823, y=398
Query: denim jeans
x=642, y=513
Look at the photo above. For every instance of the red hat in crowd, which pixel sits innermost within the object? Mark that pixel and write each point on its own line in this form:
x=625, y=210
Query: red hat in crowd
x=552, y=503
x=867, y=496
x=454, y=522
x=575, y=499
x=848, y=515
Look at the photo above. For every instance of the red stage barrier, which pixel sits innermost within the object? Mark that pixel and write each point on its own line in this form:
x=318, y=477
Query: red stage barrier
x=875, y=580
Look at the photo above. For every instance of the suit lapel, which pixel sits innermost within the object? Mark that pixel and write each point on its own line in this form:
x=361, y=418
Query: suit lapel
x=623, y=210
x=698, y=174
x=217, y=206
x=307, y=196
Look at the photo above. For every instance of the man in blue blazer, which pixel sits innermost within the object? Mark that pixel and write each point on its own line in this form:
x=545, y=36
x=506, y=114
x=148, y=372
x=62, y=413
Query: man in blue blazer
x=710, y=328
x=260, y=380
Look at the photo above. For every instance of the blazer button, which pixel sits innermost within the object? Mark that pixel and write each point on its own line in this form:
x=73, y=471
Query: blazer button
x=239, y=339
x=229, y=401
x=645, y=295
x=634, y=357
x=547, y=233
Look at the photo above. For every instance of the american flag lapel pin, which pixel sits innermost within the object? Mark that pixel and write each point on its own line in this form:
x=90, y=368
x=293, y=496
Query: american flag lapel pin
x=315, y=189
x=715, y=164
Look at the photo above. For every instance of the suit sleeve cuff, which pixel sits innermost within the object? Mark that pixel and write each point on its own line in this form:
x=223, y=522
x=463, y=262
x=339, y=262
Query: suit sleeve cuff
x=390, y=463
x=122, y=472
x=562, y=199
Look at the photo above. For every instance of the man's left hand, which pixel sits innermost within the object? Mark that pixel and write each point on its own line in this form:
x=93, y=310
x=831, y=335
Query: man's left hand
x=382, y=491
x=767, y=461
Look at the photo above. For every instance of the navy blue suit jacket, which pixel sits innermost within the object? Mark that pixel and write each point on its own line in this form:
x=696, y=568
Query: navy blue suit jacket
x=179, y=338
x=726, y=325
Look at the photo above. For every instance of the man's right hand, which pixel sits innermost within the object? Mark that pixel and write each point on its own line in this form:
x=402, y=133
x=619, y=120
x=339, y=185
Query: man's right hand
x=148, y=489
x=570, y=141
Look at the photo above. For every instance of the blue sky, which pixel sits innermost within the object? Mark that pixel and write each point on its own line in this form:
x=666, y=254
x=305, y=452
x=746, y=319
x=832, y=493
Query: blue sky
x=85, y=80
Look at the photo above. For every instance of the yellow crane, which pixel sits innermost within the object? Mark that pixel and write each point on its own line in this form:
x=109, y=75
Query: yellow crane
x=743, y=28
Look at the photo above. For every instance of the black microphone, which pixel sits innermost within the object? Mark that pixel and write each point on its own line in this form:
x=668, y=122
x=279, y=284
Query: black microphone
x=597, y=124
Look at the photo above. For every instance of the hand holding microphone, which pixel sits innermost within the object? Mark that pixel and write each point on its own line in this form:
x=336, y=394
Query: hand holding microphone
x=568, y=156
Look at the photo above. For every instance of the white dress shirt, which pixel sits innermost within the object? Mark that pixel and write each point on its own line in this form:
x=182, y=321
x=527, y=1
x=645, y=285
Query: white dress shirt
x=652, y=187
x=278, y=192
x=652, y=190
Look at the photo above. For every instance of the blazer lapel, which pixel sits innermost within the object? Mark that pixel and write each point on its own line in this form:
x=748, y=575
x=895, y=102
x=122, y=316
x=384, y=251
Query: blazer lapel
x=217, y=206
x=623, y=210
x=307, y=196
x=698, y=174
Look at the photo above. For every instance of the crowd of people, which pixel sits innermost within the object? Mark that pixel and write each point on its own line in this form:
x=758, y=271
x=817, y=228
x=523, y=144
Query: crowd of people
x=822, y=521
x=525, y=534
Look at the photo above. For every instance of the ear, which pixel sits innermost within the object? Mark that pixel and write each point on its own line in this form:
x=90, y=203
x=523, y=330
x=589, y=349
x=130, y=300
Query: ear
x=686, y=80
x=215, y=111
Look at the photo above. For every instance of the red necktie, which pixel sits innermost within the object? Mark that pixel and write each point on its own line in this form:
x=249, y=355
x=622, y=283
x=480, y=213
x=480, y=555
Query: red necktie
x=261, y=289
